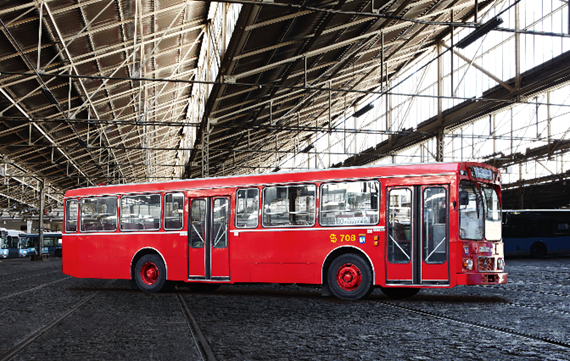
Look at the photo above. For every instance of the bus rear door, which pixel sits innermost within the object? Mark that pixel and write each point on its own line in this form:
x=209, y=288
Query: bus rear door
x=417, y=251
x=208, y=239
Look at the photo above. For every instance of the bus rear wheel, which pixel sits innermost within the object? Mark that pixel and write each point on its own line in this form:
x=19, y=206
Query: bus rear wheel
x=150, y=273
x=400, y=292
x=538, y=250
x=349, y=277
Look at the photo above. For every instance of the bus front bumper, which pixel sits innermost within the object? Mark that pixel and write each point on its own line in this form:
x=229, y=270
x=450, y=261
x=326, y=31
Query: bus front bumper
x=490, y=278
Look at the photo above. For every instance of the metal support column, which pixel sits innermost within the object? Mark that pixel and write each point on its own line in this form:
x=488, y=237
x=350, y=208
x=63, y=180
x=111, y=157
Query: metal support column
x=451, y=55
x=206, y=151
x=440, y=134
x=548, y=117
x=476, y=11
x=388, y=111
x=40, y=240
x=517, y=51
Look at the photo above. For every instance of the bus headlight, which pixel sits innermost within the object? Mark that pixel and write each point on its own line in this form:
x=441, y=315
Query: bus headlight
x=500, y=264
x=468, y=264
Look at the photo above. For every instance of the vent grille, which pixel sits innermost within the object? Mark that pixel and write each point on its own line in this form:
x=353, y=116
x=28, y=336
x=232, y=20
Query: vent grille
x=486, y=264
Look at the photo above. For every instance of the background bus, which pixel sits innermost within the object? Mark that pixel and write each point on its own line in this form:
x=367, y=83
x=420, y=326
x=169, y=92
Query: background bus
x=51, y=246
x=10, y=244
x=536, y=232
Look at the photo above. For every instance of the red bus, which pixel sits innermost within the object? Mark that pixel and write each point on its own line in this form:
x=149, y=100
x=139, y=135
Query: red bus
x=397, y=227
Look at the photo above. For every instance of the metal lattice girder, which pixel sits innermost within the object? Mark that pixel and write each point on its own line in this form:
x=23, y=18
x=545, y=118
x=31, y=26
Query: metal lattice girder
x=98, y=38
x=342, y=48
x=550, y=74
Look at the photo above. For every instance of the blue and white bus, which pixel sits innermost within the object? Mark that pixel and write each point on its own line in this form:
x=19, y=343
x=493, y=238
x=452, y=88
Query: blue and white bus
x=10, y=244
x=536, y=232
x=51, y=246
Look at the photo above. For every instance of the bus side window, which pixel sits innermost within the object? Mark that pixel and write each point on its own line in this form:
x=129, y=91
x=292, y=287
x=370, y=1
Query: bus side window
x=289, y=206
x=247, y=208
x=140, y=212
x=349, y=203
x=92, y=217
x=71, y=208
x=174, y=211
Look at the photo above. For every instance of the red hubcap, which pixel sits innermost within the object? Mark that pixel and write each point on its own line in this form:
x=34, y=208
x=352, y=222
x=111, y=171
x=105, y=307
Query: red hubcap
x=348, y=277
x=149, y=273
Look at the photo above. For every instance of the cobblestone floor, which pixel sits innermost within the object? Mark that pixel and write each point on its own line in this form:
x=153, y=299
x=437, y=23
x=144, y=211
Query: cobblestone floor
x=274, y=322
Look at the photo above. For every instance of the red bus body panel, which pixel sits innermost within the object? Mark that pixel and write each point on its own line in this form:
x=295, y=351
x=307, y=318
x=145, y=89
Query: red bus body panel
x=262, y=254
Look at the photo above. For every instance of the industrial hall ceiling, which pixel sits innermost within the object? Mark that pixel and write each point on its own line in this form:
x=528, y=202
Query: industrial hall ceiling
x=115, y=91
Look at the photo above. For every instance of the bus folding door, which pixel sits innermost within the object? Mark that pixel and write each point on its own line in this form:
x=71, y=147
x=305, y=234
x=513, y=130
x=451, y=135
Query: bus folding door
x=208, y=239
x=417, y=251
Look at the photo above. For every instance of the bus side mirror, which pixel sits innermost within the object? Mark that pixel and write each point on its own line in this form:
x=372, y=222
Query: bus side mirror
x=463, y=198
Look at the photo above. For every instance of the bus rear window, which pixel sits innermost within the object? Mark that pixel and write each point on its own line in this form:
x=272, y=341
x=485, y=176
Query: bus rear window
x=99, y=214
x=354, y=203
x=289, y=206
x=71, y=215
x=140, y=212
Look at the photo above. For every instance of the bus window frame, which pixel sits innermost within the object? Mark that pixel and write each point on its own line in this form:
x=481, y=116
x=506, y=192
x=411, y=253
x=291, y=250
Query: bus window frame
x=351, y=181
x=163, y=211
x=80, y=223
x=143, y=229
x=237, y=205
x=65, y=215
x=262, y=205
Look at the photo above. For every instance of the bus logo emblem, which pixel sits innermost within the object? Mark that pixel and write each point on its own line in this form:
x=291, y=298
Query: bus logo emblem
x=361, y=239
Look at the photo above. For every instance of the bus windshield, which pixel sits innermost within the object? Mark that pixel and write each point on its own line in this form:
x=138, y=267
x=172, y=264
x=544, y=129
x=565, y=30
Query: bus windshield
x=492, y=214
x=4, y=243
x=471, y=216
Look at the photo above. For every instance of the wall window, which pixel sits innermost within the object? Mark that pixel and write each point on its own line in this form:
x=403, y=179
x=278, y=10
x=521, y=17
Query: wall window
x=247, y=208
x=289, y=206
x=174, y=211
x=140, y=212
x=99, y=214
x=350, y=203
x=71, y=215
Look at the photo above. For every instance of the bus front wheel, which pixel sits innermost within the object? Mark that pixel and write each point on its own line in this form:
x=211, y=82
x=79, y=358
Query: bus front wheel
x=538, y=250
x=150, y=273
x=349, y=277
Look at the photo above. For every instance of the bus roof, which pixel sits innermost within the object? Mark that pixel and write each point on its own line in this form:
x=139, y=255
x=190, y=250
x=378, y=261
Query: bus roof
x=316, y=175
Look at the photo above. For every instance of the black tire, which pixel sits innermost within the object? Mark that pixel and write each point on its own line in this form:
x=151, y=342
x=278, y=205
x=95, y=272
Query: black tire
x=400, y=292
x=202, y=287
x=57, y=253
x=538, y=250
x=150, y=273
x=349, y=277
